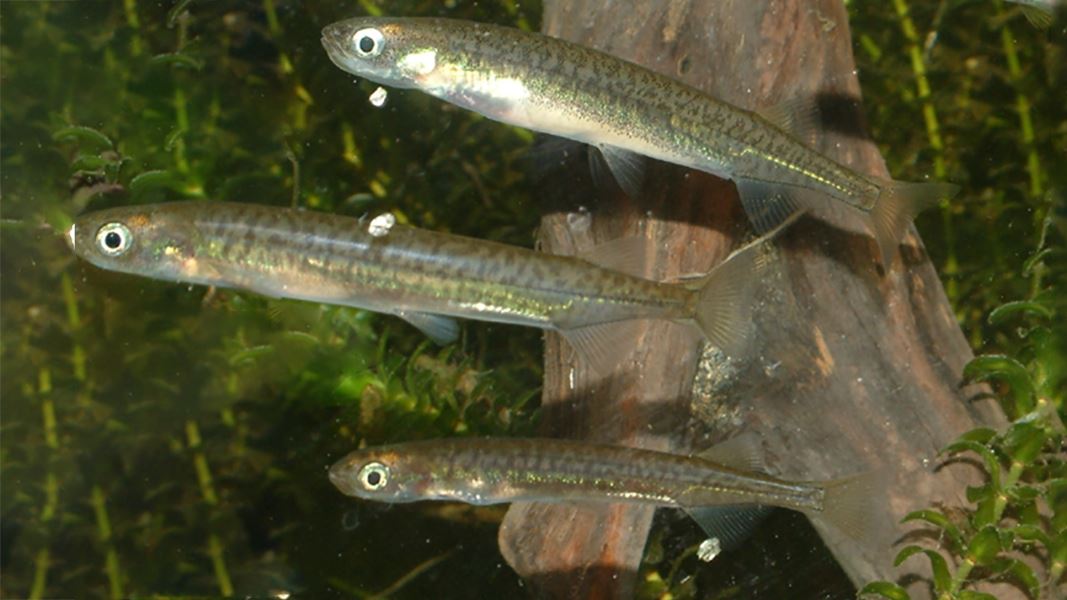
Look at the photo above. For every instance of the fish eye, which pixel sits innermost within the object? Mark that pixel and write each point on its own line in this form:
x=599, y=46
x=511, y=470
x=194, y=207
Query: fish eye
x=368, y=42
x=374, y=476
x=114, y=239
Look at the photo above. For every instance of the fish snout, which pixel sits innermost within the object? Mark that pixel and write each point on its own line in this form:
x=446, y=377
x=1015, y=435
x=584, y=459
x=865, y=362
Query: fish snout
x=340, y=477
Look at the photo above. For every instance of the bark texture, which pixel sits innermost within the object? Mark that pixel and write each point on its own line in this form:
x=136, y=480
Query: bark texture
x=854, y=369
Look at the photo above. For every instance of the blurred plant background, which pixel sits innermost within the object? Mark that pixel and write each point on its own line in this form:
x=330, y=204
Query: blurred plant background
x=158, y=438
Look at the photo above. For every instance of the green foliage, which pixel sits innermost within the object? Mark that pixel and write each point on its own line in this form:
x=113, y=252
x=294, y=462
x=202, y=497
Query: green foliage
x=165, y=439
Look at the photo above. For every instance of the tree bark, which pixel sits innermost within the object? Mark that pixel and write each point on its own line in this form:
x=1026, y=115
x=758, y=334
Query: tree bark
x=855, y=368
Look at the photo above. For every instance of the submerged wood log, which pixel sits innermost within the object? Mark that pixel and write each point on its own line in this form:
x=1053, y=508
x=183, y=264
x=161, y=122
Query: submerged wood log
x=854, y=370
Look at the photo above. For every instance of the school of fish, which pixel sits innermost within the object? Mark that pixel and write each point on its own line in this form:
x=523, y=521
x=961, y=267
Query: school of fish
x=629, y=114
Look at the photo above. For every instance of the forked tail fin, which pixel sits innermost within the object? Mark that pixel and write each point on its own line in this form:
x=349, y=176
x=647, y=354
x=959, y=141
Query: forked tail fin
x=898, y=204
x=724, y=304
x=849, y=505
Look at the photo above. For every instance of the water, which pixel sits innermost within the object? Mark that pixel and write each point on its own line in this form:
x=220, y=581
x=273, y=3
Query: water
x=159, y=438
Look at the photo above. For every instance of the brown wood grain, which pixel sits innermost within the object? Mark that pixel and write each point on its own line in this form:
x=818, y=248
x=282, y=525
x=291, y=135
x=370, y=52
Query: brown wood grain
x=855, y=369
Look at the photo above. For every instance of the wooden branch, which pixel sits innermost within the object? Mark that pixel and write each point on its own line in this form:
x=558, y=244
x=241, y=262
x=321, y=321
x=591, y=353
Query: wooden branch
x=855, y=369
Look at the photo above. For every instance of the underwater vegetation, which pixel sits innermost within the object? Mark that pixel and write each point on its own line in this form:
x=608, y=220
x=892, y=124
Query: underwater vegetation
x=161, y=438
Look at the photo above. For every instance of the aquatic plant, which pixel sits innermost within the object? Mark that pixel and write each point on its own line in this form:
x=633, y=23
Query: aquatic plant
x=157, y=439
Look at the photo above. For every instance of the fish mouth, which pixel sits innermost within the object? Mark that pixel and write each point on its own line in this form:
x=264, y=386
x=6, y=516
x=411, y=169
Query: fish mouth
x=334, y=50
x=338, y=477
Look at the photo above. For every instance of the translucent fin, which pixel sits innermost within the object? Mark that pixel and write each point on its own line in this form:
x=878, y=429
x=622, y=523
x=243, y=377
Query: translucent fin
x=743, y=452
x=848, y=504
x=627, y=167
x=897, y=205
x=627, y=254
x=442, y=330
x=605, y=345
x=766, y=204
x=724, y=305
x=731, y=524
x=1038, y=18
x=798, y=116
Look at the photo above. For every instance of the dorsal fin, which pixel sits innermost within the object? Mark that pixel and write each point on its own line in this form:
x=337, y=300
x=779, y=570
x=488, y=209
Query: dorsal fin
x=627, y=254
x=798, y=116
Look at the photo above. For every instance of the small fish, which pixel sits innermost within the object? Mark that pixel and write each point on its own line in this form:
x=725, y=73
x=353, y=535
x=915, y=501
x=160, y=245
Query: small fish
x=720, y=488
x=626, y=111
x=424, y=277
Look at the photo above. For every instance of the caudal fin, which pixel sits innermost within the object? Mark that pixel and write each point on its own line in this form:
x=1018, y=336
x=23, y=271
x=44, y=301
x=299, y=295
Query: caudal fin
x=897, y=206
x=849, y=505
x=724, y=304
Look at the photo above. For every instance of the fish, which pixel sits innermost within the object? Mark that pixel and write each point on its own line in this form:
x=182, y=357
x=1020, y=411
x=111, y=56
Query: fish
x=425, y=277
x=723, y=488
x=628, y=112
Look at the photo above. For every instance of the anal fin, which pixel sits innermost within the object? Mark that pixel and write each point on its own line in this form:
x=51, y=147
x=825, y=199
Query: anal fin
x=767, y=204
x=442, y=330
x=732, y=524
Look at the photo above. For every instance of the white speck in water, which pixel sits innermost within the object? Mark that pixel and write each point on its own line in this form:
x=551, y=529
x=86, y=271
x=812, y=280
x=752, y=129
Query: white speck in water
x=771, y=368
x=381, y=224
x=709, y=549
x=571, y=378
x=926, y=462
x=377, y=99
x=859, y=380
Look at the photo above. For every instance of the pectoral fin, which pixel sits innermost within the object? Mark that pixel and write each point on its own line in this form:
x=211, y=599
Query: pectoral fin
x=627, y=167
x=442, y=330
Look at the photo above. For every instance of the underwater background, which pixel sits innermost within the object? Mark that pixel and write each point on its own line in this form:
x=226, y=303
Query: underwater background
x=168, y=439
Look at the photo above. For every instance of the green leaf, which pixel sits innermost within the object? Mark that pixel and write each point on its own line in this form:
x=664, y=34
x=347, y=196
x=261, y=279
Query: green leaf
x=1022, y=573
x=982, y=435
x=1024, y=441
x=1032, y=533
x=939, y=520
x=179, y=60
x=986, y=514
x=90, y=162
x=973, y=595
x=992, y=463
x=83, y=134
x=942, y=578
x=177, y=11
x=1005, y=311
x=984, y=546
x=1007, y=369
x=885, y=589
x=151, y=180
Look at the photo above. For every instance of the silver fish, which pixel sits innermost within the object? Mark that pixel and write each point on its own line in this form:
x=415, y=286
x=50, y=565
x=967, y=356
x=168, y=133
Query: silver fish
x=422, y=276
x=627, y=111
